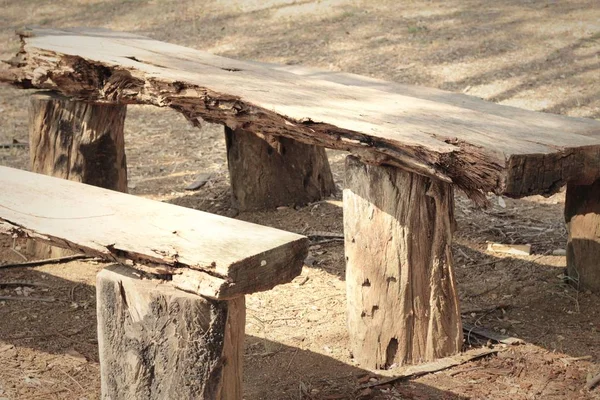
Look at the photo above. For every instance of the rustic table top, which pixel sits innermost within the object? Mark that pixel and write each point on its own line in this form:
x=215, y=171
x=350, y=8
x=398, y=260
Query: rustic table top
x=476, y=145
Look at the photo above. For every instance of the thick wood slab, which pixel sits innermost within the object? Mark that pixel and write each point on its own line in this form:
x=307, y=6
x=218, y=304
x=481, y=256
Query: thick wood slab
x=216, y=256
x=476, y=147
x=156, y=342
x=402, y=301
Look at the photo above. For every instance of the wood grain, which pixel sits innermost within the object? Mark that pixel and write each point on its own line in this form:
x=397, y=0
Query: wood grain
x=582, y=215
x=474, y=146
x=268, y=171
x=78, y=141
x=401, y=291
x=156, y=342
x=232, y=257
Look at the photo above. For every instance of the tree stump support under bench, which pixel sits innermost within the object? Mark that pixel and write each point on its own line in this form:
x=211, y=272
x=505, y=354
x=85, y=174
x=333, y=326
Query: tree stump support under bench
x=401, y=292
x=157, y=342
x=268, y=171
x=582, y=215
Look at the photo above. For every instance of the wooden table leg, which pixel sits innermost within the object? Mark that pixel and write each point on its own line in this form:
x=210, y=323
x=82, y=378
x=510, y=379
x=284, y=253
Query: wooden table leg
x=401, y=292
x=157, y=342
x=582, y=215
x=268, y=171
x=78, y=141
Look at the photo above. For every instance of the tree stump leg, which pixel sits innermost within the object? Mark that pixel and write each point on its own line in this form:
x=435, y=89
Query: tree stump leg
x=268, y=171
x=582, y=215
x=157, y=342
x=78, y=141
x=401, y=294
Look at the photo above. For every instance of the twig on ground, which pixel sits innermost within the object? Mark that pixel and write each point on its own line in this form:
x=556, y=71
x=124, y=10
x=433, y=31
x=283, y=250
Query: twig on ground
x=582, y=358
x=73, y=291
x=337, y=240
x=593, y=382
x=483, y=263
x=48, y=393
x=486, y=310
x=21, y=283
x=57, y=260
x=303, y=281
x=454, y=373
x=45, y=299
x=486, y=333
x=465, y=255
x=292, y=359
x=71, y=378
x=434, y=366
x=326, y=235
x=17, y=252
x=14, y=143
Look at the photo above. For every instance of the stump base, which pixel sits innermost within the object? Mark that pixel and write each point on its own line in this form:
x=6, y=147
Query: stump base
x=268, y=171
x=582, y=215
x=157, y=342
x=402, y=301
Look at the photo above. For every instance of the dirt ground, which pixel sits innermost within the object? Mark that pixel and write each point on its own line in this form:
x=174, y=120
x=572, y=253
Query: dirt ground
x=539, y=55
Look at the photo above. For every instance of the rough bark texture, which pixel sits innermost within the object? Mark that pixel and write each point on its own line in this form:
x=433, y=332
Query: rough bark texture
x=479, y=148
x=402, y=301
x=268, y=171
x=582, y=214
x=78, y=141
x=157, y=342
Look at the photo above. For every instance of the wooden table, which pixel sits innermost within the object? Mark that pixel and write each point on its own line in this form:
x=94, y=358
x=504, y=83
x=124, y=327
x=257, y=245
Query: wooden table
x=410, y=147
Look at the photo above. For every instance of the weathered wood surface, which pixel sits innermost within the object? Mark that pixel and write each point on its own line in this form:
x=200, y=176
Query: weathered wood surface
x=224, y=257
x=156, y=342
x=401, y=293
x=467, y=144
x=82, y=142
x=582, y=214
x=268, y=171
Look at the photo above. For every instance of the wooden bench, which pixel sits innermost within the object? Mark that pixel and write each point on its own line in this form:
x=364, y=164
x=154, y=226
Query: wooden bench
x=410, y=147
x=178, y=332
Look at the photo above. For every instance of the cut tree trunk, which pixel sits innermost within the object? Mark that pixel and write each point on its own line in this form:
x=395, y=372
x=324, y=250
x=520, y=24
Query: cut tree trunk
x=401, y=292
x=82, y=142
x=268, y=171
x=157, y=342
x=582, y=215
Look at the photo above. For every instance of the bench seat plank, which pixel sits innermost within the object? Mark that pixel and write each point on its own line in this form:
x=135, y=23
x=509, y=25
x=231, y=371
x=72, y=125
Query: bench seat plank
x=475, y=147
x=220, y=257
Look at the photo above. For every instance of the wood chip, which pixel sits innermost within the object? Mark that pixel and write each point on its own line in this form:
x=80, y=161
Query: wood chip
x=200, y=181
x=516, y=249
